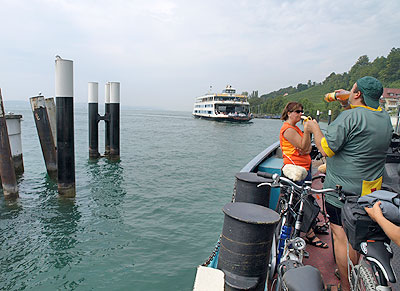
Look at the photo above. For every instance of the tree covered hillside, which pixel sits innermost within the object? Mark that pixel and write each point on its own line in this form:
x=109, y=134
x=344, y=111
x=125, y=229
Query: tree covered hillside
x=386, y=69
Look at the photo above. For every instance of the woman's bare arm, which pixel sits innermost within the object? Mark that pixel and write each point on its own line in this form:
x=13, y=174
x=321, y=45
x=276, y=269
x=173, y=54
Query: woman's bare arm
x=302, y=143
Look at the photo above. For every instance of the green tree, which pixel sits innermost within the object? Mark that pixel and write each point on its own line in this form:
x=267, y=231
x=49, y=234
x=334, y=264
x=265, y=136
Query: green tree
x=392, y=71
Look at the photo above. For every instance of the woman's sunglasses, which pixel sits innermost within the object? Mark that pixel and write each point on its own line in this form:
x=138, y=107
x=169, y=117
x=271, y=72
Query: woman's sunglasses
x=298, y=111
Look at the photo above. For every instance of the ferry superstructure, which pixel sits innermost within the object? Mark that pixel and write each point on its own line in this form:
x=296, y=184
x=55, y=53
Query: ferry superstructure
x=227, y=106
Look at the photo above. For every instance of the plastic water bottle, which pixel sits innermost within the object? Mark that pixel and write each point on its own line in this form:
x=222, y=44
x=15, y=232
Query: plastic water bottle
x=341, y=95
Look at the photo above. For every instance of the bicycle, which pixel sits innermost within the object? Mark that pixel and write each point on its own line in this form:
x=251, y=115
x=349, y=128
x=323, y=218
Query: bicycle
x=286, y=258
x=375, y=254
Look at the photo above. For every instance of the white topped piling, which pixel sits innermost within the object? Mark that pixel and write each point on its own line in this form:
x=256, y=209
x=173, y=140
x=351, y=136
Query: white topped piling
x=107, y=119
x=65, y=127
x=329, y=116
x=93, y=108
x=114, y=120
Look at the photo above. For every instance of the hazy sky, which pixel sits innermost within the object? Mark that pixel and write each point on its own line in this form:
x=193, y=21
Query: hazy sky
x=166, y=53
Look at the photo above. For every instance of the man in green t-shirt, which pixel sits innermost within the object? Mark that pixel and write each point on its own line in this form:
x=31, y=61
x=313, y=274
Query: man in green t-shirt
x=355, y=144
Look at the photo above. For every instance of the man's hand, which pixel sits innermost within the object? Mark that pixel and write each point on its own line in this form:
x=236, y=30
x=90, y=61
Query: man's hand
x=374, y=212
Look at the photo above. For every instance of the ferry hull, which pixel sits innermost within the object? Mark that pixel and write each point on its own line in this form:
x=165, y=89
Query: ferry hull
x=230, y=119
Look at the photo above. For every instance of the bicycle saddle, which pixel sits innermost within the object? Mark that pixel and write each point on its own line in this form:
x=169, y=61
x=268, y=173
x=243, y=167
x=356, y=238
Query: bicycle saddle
x=380, y=253
x=303, y=278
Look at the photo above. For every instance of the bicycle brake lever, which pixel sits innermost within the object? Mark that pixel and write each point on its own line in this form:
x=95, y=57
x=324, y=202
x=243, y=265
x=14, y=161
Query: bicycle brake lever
x=272, y=185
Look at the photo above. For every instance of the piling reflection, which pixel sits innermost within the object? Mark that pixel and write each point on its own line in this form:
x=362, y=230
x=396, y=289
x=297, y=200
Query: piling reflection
x=107, y=187
x=9, y=208
x=60, y=226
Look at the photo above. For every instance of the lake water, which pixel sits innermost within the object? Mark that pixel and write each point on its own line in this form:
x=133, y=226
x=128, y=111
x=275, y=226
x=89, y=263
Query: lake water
x=144, y=223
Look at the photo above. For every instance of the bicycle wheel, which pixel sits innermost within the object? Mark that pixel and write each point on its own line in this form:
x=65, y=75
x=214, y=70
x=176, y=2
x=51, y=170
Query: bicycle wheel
x=366, y=281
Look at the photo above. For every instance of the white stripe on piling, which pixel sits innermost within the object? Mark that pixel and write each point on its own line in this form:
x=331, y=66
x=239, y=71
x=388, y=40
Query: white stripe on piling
x=114, y=92
x=93, y=92
x=64, y=78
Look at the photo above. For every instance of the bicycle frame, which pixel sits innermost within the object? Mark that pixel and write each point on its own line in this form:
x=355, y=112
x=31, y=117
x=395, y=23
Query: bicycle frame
x=291, y=248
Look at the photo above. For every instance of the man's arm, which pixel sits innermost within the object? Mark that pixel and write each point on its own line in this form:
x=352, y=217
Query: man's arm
x=312, y=126
x=391, y=230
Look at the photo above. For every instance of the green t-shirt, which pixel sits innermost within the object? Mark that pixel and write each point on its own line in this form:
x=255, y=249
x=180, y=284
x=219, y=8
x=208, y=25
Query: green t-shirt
x=359, y=139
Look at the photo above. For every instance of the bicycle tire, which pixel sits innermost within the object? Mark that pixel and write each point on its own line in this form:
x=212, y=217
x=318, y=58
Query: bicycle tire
x=366, y=280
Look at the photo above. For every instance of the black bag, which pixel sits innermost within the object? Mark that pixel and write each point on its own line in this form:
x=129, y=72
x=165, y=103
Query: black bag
x=311, y=210
x=359, y=227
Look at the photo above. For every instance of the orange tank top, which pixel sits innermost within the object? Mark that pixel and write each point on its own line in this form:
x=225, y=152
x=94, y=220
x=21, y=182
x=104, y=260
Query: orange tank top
x=291, y=154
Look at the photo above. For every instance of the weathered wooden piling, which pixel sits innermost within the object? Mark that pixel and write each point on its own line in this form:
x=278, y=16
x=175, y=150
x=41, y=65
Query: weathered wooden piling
x=7, y=173
x=51, y=112
x=329, y=116
x=93, y=107
x=45, y=134
x=65, y=128
x=114, y=120
x=14, y=136
x=317, y=116
x=106, y=119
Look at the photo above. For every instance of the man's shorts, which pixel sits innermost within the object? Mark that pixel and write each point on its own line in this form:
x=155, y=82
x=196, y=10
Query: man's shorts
x=335, y=214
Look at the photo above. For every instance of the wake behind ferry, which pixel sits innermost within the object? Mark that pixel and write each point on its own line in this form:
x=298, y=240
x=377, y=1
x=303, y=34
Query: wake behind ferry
x=225, y=106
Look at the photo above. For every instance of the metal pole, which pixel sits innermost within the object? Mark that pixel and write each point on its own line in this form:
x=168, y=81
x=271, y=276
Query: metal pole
x=65, y=127
x=14, y=136
x=114, y=120
x=106, y=119
x=317, y=116
x=93, y=107
x=396, y=130
x=329, y=116
x=45, y=135
x=7, y=173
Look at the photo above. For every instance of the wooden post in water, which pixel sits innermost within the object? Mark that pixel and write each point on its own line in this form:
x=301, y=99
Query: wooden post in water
x=317, y=116
x=107, y=119
x=329, y=116
x=93, y=107
x=65, y=127
x=45, y=135
x=51, y=113
x=114, y=120
x=7, y=173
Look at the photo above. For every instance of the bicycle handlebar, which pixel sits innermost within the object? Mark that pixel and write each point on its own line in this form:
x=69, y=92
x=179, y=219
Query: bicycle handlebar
x=277, y=180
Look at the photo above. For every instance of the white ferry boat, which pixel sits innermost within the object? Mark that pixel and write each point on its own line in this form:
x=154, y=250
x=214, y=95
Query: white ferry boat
x=227, y=106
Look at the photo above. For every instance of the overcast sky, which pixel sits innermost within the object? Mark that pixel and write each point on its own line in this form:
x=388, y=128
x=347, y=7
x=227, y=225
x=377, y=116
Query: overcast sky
x=166, y=53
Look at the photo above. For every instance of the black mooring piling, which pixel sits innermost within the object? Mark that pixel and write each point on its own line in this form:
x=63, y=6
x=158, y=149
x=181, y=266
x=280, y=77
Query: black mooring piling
x=65, y=127
x=106, y=119
x=247, y=190
x=93, y=107
x=246, y=244
x=45, y=134
x=7, y=173
x=114, y=120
